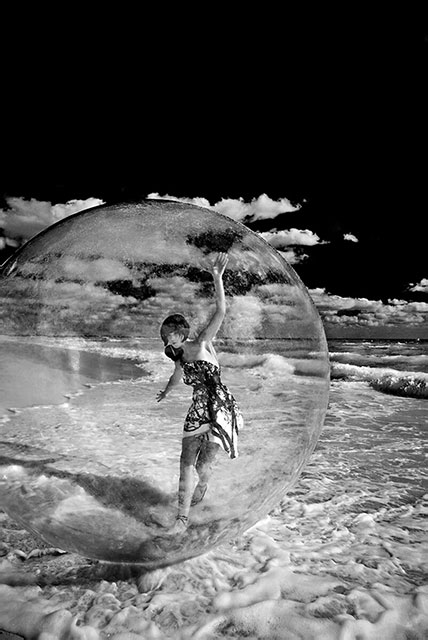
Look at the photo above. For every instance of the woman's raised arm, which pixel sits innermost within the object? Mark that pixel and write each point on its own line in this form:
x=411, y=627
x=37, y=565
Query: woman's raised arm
x=217, y=270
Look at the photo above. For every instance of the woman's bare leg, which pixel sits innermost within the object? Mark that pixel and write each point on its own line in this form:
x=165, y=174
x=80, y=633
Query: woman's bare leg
x=204, y=467
x=189, y=452
x=185, y=488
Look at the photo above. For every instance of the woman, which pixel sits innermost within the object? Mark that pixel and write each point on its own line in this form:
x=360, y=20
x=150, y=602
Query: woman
x=213, y=420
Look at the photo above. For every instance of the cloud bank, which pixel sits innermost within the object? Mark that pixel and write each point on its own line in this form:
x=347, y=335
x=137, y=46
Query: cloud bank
x=362, y=312
x=260, y=208
x=25, y=218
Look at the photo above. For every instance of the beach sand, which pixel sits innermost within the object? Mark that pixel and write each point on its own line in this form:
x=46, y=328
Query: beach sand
x=342, y=556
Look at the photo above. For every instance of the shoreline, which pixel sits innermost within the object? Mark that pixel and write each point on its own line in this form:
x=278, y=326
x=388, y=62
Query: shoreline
x=42, y=375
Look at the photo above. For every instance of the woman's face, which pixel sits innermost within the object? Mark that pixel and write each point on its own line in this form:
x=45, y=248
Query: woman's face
x=173, y=349
x=175, y=339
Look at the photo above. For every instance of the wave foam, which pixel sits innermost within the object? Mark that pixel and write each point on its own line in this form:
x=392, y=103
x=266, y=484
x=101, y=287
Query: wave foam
x=401, y=383
x=266, y=366
x=416, y=362
x=410, y=386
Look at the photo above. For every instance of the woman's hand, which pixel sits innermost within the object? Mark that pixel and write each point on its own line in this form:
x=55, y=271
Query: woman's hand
x=161, y=395
x=219, y=264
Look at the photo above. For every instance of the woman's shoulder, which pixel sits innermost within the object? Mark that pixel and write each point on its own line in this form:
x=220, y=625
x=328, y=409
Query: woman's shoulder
x=190, y=348
x=200, y=350
x=196, y=344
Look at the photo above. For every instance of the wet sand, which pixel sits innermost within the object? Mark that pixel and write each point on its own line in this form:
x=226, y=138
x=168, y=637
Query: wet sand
x=35, y=375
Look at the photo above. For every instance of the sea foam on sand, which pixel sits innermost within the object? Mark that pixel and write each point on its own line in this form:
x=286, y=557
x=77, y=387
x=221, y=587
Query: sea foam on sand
x=286, y=578
x=344, y=556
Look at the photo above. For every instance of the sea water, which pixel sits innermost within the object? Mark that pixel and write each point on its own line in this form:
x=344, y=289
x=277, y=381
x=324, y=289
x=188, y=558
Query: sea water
x=376, y=425
x=358, y=513
x=116, y=428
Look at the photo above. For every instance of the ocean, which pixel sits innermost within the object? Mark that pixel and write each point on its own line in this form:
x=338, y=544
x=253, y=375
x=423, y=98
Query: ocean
x=345, y=550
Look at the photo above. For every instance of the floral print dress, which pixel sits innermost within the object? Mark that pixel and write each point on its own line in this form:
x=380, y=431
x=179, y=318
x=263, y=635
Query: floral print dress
x=214, y=410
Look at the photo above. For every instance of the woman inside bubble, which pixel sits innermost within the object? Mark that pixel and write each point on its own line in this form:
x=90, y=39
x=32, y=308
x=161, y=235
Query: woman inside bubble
x=213, y=420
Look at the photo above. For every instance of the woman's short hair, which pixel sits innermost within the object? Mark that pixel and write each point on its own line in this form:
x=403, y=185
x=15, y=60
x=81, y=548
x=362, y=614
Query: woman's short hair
x=176, y=322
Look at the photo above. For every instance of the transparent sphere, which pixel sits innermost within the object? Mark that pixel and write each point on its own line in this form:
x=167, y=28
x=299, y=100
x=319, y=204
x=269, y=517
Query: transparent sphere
x=89, y=459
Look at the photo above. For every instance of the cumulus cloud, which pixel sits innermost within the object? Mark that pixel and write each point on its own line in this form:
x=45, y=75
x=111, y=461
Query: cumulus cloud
x=292, y=257
x=280, y=293
x=60, y=211
x=418, y=307
x=25, y=218
x=287, y=237
x=350, y=237
x=260, y=208
x=286, y=241
x=97, y=270
x=173, y=291
x=198, y=202
x=283, y=311
x=334, y=303
x=345, y=311
x=422, y=286
x=48, y=307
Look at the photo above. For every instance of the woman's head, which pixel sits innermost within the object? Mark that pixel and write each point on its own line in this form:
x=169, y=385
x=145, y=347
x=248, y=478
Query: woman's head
x=174, y=331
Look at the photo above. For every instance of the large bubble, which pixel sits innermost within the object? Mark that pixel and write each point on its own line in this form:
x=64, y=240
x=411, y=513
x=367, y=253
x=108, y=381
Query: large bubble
x=89, y=459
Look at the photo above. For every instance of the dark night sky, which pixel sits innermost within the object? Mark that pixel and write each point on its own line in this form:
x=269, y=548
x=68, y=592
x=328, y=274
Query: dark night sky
x=330, y=123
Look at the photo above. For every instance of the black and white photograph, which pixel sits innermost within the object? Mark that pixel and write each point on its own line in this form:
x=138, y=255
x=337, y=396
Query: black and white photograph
x=214, y=339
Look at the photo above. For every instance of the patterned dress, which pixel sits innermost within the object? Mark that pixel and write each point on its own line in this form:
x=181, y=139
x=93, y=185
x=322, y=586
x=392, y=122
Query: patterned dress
x=214, y=409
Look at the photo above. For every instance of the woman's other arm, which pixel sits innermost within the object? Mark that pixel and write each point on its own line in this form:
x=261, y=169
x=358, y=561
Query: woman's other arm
x=174, y=380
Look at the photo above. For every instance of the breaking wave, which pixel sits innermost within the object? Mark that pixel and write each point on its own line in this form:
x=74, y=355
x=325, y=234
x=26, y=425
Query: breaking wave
x=401, y=383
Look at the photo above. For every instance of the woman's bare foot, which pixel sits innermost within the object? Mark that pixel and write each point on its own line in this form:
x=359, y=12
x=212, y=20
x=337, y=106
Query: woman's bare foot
x=180, y=525
x=198, y=494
